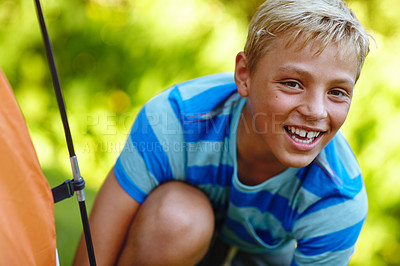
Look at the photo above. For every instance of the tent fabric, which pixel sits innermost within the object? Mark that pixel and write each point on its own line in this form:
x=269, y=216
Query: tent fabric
x=27, y=228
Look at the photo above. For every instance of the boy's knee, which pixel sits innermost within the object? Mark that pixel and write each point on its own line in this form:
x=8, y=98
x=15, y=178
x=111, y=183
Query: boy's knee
x=181, y=209
x=173, y=226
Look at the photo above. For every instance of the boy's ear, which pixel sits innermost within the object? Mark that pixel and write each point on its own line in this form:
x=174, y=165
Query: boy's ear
x=242, y=74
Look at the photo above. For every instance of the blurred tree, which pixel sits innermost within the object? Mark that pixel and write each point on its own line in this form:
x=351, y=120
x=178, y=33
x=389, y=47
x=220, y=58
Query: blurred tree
x=113, y=55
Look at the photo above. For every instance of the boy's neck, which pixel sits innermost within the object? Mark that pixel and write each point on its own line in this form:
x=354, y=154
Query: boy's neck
x=256, y=163
x=252, y=172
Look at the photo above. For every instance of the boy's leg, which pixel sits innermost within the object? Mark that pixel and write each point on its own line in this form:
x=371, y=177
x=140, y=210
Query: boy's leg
x=221, y=253
x=174, y=226
x=282, y=258
x=217, y=254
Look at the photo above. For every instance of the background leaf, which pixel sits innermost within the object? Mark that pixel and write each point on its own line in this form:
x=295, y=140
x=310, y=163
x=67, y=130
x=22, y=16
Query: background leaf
x=114, y=55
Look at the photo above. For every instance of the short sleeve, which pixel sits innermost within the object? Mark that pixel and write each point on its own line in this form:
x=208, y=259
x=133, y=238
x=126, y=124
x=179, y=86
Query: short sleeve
x=154, y=151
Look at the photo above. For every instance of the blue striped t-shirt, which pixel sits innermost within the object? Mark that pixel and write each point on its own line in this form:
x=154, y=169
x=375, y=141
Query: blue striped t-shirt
x=188, y=133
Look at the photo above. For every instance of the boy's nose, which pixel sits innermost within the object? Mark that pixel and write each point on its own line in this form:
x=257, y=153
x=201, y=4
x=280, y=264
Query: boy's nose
x=313, y=108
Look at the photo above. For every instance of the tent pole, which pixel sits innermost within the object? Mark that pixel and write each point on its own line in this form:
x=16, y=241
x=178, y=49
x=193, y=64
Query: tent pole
x=73, y=159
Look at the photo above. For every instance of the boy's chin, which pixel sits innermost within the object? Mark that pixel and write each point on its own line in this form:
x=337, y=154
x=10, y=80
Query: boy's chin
x=298, y=161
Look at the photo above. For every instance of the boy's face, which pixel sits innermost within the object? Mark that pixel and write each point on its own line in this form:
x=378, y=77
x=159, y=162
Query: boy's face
x=297, y=101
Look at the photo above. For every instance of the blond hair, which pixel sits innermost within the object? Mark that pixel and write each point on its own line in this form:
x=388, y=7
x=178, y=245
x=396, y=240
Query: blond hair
x=318, y=21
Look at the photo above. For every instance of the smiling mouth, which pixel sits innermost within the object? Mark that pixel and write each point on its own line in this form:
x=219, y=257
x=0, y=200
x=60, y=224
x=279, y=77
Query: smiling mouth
x=301, y=135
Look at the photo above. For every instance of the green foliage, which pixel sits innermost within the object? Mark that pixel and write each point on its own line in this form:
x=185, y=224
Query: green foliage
x=113, y=55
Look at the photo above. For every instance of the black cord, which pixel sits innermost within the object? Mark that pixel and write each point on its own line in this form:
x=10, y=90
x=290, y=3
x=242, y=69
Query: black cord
x=88, y=237
x=56, y=82
x=61, y=106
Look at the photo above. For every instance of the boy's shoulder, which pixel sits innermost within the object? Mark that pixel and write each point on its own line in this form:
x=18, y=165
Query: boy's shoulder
x=202, y=95
x=193, y=87
x=337, y=158
x=205, y=97
x=337, y=169
x=203, y=107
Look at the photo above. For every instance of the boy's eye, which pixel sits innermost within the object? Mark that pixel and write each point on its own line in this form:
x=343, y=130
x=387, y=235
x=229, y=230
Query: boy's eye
x=292, y=84
x=340, y=95
x=337, y=93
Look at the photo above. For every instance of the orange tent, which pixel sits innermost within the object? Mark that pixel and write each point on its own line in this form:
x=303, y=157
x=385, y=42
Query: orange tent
x=27, y=229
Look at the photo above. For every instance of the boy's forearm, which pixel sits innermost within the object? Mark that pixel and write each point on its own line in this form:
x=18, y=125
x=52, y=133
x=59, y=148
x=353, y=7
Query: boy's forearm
x=110, y=218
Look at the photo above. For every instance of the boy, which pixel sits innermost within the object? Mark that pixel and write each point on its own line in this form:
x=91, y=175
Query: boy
x=249, y=168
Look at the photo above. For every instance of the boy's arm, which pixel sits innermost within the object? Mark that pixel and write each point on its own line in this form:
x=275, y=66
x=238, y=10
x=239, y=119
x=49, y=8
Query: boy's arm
x=110, y=219
x=335, y=249
x=329, y=236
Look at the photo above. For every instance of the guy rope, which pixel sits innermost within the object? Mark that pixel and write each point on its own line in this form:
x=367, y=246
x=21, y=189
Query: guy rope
x=77, y=184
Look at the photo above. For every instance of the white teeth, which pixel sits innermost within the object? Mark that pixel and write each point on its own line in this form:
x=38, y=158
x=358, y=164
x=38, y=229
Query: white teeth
x=311, y=135
x=302, y=141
